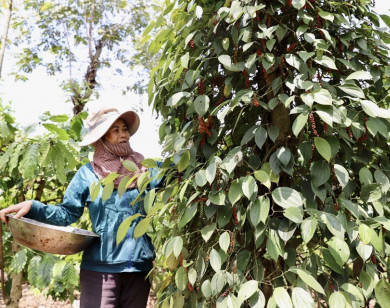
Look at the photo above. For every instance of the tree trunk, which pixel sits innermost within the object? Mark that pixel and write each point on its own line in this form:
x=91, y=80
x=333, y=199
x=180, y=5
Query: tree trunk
x=17, y=281
x=5, y=34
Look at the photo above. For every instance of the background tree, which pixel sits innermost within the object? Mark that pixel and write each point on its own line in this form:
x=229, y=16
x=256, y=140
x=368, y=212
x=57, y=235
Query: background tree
x=83, y=40
x=37, y=168
x=80, y=39
x=5, y=33
x=276, y=117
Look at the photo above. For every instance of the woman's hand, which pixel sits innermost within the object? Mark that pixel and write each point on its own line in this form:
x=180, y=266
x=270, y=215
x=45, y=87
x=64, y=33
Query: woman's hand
x=20, y=209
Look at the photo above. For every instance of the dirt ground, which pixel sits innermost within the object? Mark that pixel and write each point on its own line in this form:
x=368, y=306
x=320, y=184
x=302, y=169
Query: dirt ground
x=30, y=300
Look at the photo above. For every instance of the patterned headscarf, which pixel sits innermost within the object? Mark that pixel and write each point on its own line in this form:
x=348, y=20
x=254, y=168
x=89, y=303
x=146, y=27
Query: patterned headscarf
x=108, y=158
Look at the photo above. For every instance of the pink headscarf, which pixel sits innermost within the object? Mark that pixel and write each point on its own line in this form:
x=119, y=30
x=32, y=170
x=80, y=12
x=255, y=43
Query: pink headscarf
x=107, y=159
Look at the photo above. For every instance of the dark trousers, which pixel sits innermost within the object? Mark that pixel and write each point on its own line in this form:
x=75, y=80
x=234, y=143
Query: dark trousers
x=119, y=290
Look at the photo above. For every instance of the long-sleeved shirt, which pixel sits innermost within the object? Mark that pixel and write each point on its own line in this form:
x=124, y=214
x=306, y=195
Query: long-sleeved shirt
x=104, y=254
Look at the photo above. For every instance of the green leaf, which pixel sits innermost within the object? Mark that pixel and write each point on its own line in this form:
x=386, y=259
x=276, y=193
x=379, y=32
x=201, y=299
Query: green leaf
x=337, y=300
x=308, y=228
x=94, y=190
x=225, y=60
x=125, y=183
x=260, y=137
x=323, y=147
x=224, y=241
x=339, y=250
x=249, y=186
x=365, y=234
x=362, y=75
x=287, y=197
x=382, y=292
x=201, y=104
x=232, y=159
x=181, y=279
x=248, y=136
x=45, y=271
x=353, y=290
x=320, y=173
x=188, y=215
x=184, y=161
x=333, y=224
x=273, y=133
x=29, y=163
x=363, y=250
x=60, y=132
x=61, y=118
x=308, y=279
x=107, y=191
x=211, y=172
x=371, y=192
x=215, y=260
x=192, y=276
x=217, y=198
x=350, y=206
x=298, y=4
x=4, y=129
x=386, y=19
x=129, y=165
x=124, y=227
x=302, y=299
x=200, y=178
x=255, y=212
x=149, y=163
x=247, y=290
x=282, y=298
x=184, y=60
x=304, y=55
x=370, y=108
x=175, y=98
x=19, y=261
x=294, y=214
x=352, y=90
x=274, y=245
x=235, y=191
x=207, y=231
x=293, y=60
x=263, y=178
x=299, y=123
x=218, y=282
x=327, y=62
x=206, y=288
x=142, y=227
x=149, y=199
x=331, y=262
x=284, y=155
x=341, y=174
x=177, y=246
x=326, y=15
x=377, y=241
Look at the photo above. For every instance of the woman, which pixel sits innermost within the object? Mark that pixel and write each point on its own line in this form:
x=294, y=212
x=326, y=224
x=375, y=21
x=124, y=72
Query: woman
x=111, y=275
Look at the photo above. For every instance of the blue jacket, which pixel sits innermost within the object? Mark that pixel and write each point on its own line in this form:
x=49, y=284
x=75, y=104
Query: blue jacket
x=102, y=255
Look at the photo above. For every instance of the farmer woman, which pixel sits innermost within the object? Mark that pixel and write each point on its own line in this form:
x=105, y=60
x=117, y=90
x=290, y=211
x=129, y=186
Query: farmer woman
x=112, y=275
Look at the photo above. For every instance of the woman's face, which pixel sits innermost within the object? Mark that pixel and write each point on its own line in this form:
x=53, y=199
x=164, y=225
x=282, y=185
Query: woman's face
x=117, y=133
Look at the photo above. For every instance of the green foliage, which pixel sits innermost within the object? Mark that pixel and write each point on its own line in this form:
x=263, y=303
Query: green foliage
x=276, y=116
x=39, y=169
x=75, y=32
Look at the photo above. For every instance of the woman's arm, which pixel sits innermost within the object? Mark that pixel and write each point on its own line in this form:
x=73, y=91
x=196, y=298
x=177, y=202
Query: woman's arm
x=63, y=214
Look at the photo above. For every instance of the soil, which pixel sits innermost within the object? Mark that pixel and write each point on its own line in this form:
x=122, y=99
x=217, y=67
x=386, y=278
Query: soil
x=30, y=300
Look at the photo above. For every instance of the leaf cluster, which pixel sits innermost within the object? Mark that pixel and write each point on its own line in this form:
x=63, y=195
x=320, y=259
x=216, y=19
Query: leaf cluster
x=276, y=115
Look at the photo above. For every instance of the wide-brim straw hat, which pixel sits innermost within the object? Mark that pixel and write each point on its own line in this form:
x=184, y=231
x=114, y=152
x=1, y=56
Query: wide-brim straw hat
x=100, y=121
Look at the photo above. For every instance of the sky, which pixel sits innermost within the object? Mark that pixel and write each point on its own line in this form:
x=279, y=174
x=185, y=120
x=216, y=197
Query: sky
x=42, y=93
